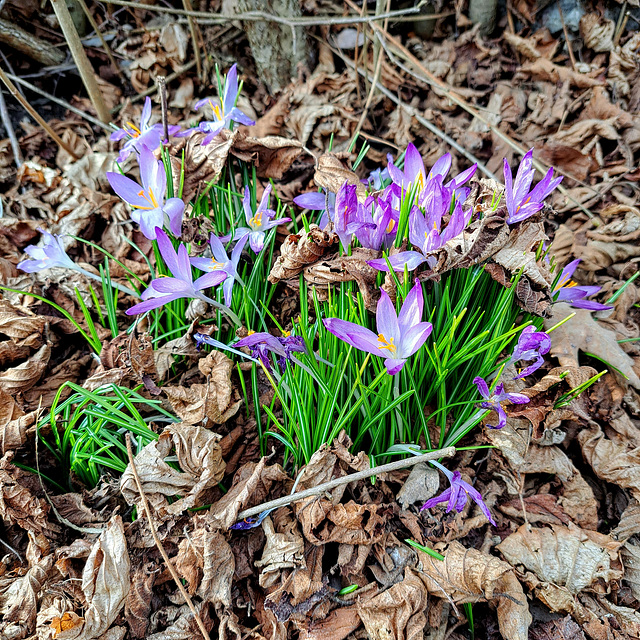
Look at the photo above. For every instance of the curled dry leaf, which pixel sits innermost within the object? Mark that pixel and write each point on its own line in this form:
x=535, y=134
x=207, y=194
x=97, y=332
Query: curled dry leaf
x=272, y=156
x=397, y=613
x=612, y=461
x=331, y=174
x=543, y=69
x=211, y=401
x=468, y=575
x=584, y=333
x=138, y=603
x=13, y=423
x=105, y=584
x=18, y=505
x=251, y=485
x=19, y=599
x=24, y=328
x=564, y=561
x=299, y=250
x=630, y=555
x=27, y=374
x=200, y=459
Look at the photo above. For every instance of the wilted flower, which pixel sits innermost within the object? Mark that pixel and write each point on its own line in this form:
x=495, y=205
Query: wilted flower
x=221, y=264
x=150, y=210
x=457, y=495
x=166, y=289
x=399, y=336
x=145, y=135
x=50, y=254
x=260, y=221
x=566, y=290
x=492, y=401
x=532, y=345
x=522, y=203
x=225, y=112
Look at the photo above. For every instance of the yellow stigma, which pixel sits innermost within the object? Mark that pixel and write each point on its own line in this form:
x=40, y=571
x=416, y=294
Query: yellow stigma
x=136, y=131
x=218, y=111
x=250, y=332
x=420, y=181
x=216, y=265
x=149, y=197
x=387, y=344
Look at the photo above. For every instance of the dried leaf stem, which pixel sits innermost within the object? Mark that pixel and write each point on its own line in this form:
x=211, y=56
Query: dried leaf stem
x=154, y=533
x=352, y=477
x=35, y=115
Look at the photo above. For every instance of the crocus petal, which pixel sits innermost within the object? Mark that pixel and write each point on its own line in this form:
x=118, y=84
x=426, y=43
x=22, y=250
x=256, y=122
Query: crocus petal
x=217, y=249
x=171, y=285
x=590, y=305
x=387, y=321
x=241, y=118
x=127, y=189
x=205, y=264
x=168, y=252
x=353, y=334
x=527, y=371
x=146, y=114
x=227, y=289
x=414, y=338
x=441, y=166
x=411, y=312
x=508, y=186
x=482, y=387
x=393, y=366
x=412, y=260
x=413, y=165
x=152, y=303
x=237, y=251
x=230, y=89
x=396, y=174
x=211, y=279
x=246, y=205
x=150, y=221
x=436, y=500
x=256, y=241
x=314, y=201
x=174, y=209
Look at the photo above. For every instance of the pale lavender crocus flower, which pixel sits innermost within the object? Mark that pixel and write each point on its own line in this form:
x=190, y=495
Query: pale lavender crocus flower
x=399, y=336
x=51, y=254
x=532, y=345
x=566, y=290
x=144, y=135
x=457, y=495
x=493, y=400
x=224, y=111
x=181, y=285
x=522, y=203
x=259, y=222
x=150, y=210
x=221, y=264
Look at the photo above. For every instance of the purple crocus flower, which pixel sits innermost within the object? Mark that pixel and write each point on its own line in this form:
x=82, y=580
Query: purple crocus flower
x=225, y=112
x=260, y=221
x=347, y=220
x=376, y=228
x=532, y=345
x=457, y=495
x=414, y=171
x=522, y=203
x=262, y=344
x=50, y=254
x=566, y=290
x=150, y=210
x=145, y=135
x=181, y=285
x=399, y=336
x=221, y=264
x=492, y=401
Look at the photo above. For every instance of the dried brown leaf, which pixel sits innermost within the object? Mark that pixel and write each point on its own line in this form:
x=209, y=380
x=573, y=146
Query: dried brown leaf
x=27, y=374
x=13, y=423
x=543, y=69
x=300, y=250
x=561, y=629
x=468, y=575
x=138, y=603
x=399, y=612
x=630, y=555
x=200, y=459
x=24, y=328
x=331, y=174
x=272, y=156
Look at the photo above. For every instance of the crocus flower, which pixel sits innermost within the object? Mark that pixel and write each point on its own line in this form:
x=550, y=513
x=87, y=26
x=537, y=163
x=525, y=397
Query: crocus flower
x=166, y=289
x=143, y=135
x=532, y=345
x=260, y=221
x=522, y=203
x=221, y=264
x=263, y=344
x=150, y=210
x=50, y=254
x=376, y=228
x=399, y=336
x=492, y=401
x=224, y=111
x=566, y=290
x=347, y=218
x=457, y=495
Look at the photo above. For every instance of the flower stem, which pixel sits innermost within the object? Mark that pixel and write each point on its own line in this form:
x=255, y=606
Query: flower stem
x=115, y=285
x=224, y=309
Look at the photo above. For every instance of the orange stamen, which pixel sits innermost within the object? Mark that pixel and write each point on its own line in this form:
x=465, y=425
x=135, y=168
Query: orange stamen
x=135, y=129
x=387, y=344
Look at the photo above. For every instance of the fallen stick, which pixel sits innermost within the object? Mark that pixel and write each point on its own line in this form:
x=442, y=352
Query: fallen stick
x=40, y=50
x=6, y=121
x=35, y=115
x=156, y=539
x=352, y=477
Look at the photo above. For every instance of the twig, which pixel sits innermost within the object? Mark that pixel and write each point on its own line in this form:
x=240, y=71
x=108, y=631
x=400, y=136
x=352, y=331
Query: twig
x=35, y=115
x=264, y=16
x=194, y=38
x=156, y=539
x=572, y=57
x=60, y=101
x=161, y=83
x=80, y=58
x=353, y=477
x=620, y=30
x=6, y=121
x=36, y=48
x=105, y=46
